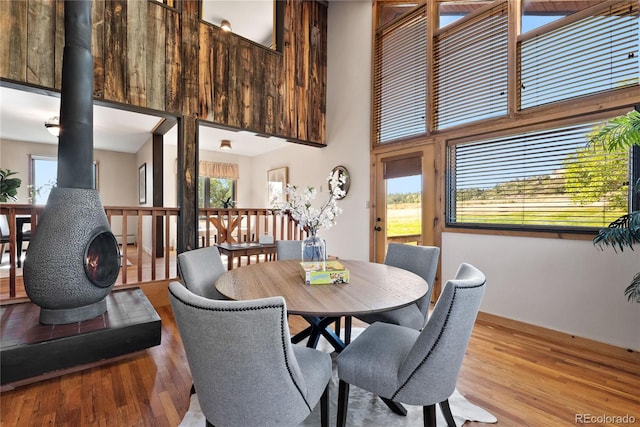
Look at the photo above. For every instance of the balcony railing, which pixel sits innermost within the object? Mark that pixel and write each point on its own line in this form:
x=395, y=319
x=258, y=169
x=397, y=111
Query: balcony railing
x=147, y=238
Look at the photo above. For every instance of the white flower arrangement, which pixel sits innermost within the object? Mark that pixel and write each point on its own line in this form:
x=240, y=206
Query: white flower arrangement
x=309, y=218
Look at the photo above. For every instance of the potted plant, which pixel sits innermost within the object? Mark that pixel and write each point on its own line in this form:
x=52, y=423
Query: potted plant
x=8, y=186
x=624, y=232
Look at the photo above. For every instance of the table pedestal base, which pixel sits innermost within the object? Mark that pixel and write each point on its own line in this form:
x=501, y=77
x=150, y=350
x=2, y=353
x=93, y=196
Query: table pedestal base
x=320, y=326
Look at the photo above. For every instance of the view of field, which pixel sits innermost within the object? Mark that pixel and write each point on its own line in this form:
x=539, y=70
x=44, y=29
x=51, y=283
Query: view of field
x=556, y=210
x=403, y=219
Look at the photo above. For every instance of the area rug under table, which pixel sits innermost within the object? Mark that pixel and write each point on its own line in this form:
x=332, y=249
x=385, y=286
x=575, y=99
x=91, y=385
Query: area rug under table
x=366, y=409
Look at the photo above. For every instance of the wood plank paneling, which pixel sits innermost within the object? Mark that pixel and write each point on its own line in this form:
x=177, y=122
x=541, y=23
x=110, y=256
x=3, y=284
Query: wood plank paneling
x=233, y=89
x=246, y=85
x=13, y=43
x=155, y=56
x=97, y=48
x=190, y=59
x=115, y=55
x=207, y=73
x=173, y=64
x=221, y=80
x=59, y=42
x=41, y=42
x=136, y=73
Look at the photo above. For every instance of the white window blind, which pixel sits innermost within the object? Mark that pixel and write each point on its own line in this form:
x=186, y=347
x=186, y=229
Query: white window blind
x=470, y=80
x=400, y=82
x=596, y=53
x=543, y=180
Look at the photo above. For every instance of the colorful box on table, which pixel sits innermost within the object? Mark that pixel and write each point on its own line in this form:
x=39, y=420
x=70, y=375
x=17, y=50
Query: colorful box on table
x=324, y=273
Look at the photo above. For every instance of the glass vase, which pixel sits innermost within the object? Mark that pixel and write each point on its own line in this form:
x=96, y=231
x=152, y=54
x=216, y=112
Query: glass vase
x=314, y=249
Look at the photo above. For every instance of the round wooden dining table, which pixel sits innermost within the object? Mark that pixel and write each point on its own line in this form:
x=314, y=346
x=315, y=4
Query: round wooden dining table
x=372, y=288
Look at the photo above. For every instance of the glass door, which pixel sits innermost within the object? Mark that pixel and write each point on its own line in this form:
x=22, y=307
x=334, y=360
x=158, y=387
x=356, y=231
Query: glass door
x=404, y=200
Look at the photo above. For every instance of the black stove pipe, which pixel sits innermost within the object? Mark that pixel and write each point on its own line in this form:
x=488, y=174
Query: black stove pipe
x=75, y=145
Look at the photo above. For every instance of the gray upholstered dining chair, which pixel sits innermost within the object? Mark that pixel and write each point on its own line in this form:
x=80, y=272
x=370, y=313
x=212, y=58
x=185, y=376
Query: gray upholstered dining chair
x=288, y=249
x=199, y=269
x=403, y=365
x=421, y=260
x=245, y=369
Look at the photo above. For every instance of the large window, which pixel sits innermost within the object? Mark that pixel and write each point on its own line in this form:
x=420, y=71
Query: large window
x=470, y=69
x=400, y=78
x=544, y=179
x=593, y=51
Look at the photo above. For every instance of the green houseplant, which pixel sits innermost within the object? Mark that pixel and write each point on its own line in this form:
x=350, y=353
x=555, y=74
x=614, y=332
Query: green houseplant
x=624, y=232
x=8, y=186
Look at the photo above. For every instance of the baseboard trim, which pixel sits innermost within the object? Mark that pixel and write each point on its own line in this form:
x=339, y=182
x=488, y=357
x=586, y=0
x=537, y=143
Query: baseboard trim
x=558, y=337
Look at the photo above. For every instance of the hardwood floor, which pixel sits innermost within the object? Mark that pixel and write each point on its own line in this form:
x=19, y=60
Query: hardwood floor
x=526, y=376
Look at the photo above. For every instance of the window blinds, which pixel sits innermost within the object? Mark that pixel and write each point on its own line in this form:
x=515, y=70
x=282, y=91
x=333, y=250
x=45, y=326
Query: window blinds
x=470, y=79
x=400, y=81
x=596, y=53
x=541, y=179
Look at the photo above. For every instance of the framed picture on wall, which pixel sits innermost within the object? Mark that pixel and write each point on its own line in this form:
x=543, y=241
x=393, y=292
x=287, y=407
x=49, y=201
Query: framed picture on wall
x=142, y=184
x=276, y=184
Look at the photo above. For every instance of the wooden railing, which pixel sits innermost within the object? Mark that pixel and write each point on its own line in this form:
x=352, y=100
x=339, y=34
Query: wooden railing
x=147, y=237
x=244, y=225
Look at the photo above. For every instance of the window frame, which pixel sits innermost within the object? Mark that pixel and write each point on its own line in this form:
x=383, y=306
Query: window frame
x=206, y=180
x=634, y=174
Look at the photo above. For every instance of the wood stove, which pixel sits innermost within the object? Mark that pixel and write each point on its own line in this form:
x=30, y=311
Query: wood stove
x=73, y=259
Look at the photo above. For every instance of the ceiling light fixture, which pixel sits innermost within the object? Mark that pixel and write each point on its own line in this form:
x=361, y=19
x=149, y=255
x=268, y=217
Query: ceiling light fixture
x=225, y=25
x=53, y=125
x=225, y=144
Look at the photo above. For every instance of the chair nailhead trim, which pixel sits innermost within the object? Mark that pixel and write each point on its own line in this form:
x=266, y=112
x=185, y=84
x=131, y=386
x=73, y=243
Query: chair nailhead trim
x=282, y=333
x=435, y=344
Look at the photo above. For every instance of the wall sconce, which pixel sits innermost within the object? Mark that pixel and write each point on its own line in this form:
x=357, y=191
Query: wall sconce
x=53, y=125
x=225, y=144
x=225, y=25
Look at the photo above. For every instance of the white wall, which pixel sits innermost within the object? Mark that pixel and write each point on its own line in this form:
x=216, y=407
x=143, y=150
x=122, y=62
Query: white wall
x=348, y=118
x=117, y=179
x=565, y=285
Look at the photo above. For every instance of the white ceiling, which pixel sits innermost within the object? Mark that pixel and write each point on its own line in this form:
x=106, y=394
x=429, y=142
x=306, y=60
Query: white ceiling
x=22, y=117
x=251, y=19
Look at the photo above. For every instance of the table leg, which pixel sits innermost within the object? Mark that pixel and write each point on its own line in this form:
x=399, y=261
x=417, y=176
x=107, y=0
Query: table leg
x=230, y=261
x=320, y=326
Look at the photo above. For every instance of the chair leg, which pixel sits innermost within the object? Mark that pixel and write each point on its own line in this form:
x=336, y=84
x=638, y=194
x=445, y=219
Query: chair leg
x=429, y=415
x=324, y=408
x=343, y=403
x=395, y=407
x=446, y=411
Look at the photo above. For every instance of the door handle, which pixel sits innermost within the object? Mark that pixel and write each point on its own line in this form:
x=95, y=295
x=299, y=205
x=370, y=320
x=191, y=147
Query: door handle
x=377, y=228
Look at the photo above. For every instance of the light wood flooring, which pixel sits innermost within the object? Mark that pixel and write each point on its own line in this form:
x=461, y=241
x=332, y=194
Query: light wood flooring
x=525, y=376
